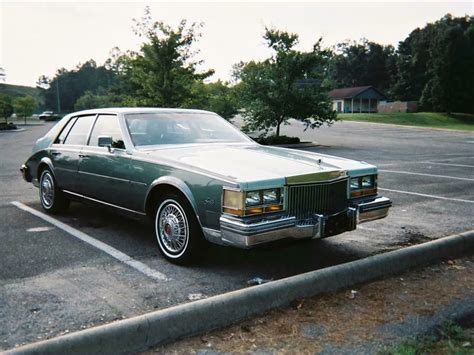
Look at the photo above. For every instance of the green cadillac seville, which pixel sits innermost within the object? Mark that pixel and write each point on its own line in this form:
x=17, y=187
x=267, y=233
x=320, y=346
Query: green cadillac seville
x=198, y=178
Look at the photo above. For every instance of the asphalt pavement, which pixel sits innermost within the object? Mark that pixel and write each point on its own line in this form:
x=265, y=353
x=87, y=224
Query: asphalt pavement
x=53, y=282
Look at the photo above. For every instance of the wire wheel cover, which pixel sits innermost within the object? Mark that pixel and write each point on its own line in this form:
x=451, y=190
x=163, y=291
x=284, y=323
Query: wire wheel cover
x=47, y=189
x=172, y=227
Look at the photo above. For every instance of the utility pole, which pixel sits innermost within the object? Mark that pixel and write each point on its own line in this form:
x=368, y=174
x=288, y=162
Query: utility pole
x=57, y=96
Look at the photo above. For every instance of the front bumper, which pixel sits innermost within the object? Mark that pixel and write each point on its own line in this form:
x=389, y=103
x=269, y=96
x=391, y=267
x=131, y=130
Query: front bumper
x=244, y=234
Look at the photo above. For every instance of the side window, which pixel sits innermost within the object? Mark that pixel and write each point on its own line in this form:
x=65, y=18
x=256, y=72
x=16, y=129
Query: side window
x=62, y=136
x=107, y=125
x=80, y=130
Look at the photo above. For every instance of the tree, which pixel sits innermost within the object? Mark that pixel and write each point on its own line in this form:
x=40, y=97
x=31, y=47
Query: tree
x=434, y=66
x=362, y=63
x=289, y=84
x=451, y=74
x=90, y=100
x=6, y=107
x=412, y=65
x=222, y=99
x=2, y=75
x=25, y=106
x=164, y=73
x=67, y=86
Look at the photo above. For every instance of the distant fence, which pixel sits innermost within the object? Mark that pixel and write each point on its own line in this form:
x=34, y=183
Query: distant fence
x=397, y=106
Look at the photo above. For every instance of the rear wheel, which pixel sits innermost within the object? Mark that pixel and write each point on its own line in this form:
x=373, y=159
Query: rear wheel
x=177, y=230
x=52, y=199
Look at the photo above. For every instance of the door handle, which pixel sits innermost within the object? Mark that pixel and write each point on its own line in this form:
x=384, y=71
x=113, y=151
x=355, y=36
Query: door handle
x=83, y=156
x=55, y=153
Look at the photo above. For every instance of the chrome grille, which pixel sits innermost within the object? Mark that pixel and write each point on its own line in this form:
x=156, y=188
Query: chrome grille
x=323, y=198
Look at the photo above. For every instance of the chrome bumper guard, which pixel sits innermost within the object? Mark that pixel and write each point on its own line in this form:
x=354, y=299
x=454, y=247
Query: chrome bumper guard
x=244, y=234
x=376, y=208
x=25, y=172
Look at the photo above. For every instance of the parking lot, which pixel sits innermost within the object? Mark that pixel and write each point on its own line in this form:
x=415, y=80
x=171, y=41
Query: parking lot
x=90, y=267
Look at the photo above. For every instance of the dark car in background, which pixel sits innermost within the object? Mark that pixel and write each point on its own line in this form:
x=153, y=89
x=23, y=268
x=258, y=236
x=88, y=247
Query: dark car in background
x=49, y=116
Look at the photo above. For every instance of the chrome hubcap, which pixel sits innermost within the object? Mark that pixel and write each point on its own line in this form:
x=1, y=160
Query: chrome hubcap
x=47, y=189
x=172, y=227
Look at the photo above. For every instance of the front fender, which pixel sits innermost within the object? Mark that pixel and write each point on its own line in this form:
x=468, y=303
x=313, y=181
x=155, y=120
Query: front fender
x=177, y=183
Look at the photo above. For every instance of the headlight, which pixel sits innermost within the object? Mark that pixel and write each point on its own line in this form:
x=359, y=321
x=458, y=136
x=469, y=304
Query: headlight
x=363, y=186
x=253, y=198
x=355, y=184
x=245, y=203
x=367, y=182
x=271, y=196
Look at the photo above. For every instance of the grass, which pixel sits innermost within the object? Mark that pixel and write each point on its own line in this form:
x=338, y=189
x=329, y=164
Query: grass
x=450, y=339
x=463, y=122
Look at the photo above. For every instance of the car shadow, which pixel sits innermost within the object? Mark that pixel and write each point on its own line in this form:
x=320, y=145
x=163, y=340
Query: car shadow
x=274, y=260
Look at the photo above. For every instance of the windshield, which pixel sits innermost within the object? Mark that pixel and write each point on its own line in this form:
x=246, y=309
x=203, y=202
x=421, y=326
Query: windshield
x=181, y=128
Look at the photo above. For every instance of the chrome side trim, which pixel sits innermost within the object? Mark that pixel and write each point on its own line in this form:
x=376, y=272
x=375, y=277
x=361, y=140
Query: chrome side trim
x=102, y=202
x=102, y=176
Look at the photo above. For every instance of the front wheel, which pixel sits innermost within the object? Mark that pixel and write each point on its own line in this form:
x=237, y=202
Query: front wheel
x=177, y=230
x=52, y=199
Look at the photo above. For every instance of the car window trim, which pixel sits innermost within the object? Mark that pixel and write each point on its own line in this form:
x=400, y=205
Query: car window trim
x=89, y=132
x=64, y=127
x=93, y=126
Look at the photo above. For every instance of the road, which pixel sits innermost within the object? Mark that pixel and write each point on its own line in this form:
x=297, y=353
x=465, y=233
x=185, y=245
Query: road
x=53, y=282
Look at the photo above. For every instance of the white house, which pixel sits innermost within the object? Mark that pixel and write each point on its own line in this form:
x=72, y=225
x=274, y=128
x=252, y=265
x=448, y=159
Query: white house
x=356, y=99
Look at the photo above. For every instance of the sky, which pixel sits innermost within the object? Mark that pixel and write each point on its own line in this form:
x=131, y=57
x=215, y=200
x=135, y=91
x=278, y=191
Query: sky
x=37, y=37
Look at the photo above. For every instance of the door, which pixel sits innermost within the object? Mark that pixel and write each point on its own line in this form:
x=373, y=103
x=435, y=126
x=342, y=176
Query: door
x=104, y=171
x=66, y=149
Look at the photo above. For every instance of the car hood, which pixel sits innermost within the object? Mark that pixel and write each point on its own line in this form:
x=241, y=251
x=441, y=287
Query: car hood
x=257, y=166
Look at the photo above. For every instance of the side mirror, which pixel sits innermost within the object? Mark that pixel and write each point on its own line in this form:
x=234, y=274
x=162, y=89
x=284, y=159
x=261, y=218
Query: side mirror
x=105, y=141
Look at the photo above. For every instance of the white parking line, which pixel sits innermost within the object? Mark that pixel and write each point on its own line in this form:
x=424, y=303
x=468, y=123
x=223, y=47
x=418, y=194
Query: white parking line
x=426, y=195
x=421, y=174
x=124, y=258
x=39, y=229
x=448, y=164
x=366, y=228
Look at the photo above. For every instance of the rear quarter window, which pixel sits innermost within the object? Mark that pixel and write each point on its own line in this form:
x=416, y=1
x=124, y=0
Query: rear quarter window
x=80, y=130
x=62, y=136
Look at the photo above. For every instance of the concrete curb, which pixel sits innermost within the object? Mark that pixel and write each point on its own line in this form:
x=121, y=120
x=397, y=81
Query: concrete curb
x=13, y=130
x=167, y=325
x=407, y=126
x=297, y=145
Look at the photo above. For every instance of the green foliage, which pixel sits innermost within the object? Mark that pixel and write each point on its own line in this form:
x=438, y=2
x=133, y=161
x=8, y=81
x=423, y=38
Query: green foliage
x=363, y=63
x=163, y=73
x=287, y=85
x=6, y=107
x=420, y=119
x=273, y=140
x=7, y=126
x=71, y=85
x=450, y=339
x=19, y=90
x=89, y=100
x=222, y=99
x=434, y=65
x=24, y=106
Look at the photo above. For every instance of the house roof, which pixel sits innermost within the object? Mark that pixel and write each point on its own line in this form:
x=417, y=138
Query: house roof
x=349, y=93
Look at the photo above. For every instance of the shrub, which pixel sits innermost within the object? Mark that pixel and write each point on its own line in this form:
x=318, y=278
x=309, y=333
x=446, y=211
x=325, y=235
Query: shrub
x=274, y=140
